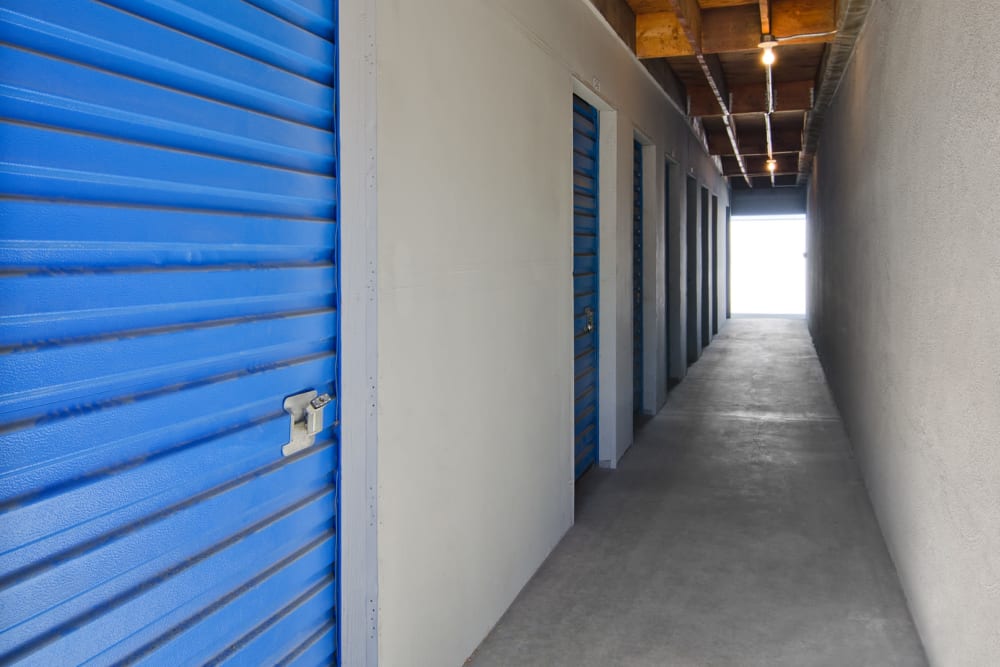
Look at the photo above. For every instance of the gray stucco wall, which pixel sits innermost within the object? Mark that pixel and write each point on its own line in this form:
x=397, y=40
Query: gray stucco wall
x=904, y=254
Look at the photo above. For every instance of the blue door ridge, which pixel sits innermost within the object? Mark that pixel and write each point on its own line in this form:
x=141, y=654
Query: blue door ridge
x=585, y=283
x=169, y=227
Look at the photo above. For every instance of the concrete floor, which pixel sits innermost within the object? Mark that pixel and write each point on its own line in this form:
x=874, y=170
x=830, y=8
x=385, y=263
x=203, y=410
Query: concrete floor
x=736, y=531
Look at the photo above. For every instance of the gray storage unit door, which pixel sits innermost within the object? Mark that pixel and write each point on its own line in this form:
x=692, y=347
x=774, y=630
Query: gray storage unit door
x=706, y=269
x=168, y=234
x=693, y=273
x=668, y=305
x=715, y=264
x=637, y=297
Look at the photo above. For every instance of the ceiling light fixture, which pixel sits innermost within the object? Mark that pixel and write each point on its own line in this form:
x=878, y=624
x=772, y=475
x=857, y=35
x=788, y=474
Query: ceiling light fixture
x=768, y=42
x=772, y=165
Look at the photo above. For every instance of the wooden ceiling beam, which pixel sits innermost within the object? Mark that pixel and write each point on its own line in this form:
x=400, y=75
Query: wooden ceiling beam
x=751, y=98
x=659, y=35
x=756, y=165
x=755, y=143
x=790, y=18
x=715, y=4
x=649, y=6
x=788, y=96
x=731, y=28
x=765, y=15
x=782, y=141
x=689, y=16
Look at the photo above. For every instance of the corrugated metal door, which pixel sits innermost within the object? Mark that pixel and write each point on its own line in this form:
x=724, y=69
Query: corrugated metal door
x=637, y=351
x=715, y=264
x=585, y=281
x=168, y=234
x=692, y=241
x=706, y=281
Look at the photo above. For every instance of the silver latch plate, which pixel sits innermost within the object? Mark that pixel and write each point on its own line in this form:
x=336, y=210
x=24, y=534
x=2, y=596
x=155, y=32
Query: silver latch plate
x=305, y=413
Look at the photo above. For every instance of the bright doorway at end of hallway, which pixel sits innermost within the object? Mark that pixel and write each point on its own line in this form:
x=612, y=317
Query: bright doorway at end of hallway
x=768, y=270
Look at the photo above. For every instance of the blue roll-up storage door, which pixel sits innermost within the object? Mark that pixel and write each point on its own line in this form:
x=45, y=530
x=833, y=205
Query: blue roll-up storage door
x=637, y=351
x=168, y=240
x=585, y=282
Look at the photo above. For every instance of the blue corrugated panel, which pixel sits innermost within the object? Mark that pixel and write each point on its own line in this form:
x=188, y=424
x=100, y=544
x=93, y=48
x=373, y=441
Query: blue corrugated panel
x=637, y=349
x=585, y=281
x=168, y=275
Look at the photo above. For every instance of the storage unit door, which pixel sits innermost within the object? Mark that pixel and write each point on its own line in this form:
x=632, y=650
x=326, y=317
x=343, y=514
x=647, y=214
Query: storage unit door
x=692, y=296
x=667, y=312
x=585, y=282
x=706, y=281
x=637, y=351
x=168, y=240
x=715, y=264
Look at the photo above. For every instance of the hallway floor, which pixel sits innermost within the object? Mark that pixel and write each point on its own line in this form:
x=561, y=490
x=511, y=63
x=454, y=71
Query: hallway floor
x=736, y=531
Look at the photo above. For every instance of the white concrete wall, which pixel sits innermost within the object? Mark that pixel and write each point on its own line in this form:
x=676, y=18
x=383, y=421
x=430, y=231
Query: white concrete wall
x=654, y=294
x=475, y=475
x=905, y=303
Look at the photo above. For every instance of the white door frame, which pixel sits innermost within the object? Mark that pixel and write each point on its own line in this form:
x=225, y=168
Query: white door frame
x=357, y=615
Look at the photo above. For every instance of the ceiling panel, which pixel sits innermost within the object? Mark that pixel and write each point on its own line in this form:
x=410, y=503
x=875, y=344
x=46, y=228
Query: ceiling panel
x=788, y=121
x=713, y=124
x=749, y=123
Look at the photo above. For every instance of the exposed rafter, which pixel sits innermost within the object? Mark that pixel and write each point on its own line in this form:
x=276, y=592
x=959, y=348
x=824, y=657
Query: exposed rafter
x=755, y=144
x=752, y=98
x=688, y=15
x=657, y=35
x=765, y=15
x=757, y=165
x=733, y=28
x=751, y=111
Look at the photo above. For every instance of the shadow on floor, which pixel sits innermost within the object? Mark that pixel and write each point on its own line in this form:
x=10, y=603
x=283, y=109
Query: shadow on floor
x=736, y=531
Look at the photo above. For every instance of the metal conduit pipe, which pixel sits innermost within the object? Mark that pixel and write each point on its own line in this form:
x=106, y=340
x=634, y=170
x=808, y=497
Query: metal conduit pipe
x=837, y=60
x=767, y=119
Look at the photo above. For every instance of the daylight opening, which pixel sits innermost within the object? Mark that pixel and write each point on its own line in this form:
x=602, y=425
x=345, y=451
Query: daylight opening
x=768, y=272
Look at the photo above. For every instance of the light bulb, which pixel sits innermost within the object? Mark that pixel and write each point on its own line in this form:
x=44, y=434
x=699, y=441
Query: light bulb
x=772, y=165
x=767, y=43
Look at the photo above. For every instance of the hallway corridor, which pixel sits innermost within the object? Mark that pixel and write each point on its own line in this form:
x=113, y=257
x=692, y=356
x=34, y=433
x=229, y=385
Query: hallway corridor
x=737, y=531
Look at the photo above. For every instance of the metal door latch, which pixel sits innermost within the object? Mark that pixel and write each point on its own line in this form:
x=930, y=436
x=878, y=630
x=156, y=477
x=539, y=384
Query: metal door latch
x=589, y=314
x=306, y=414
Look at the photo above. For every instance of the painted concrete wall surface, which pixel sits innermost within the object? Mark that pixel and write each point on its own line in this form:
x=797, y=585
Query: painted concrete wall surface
x=905, y=303
x=770, y=201
x=475, y=421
